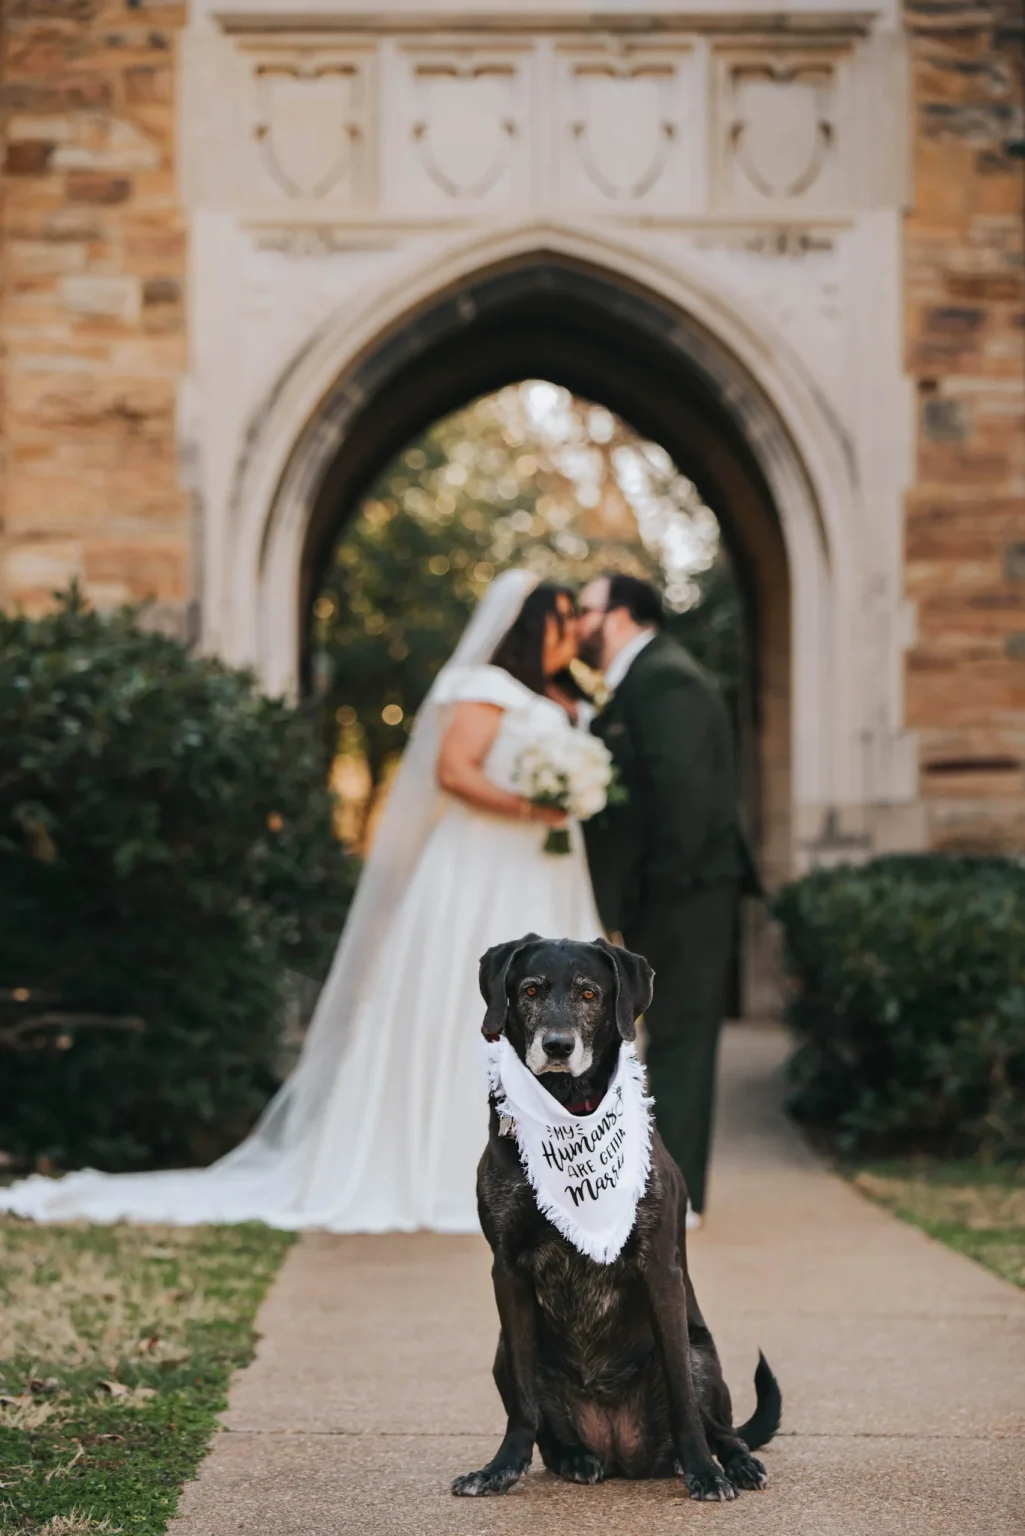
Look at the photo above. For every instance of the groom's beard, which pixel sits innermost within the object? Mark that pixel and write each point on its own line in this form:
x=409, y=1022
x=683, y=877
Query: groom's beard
x=591, y=649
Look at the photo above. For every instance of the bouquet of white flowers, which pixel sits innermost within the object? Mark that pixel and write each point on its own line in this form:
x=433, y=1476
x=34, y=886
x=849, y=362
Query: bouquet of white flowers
x=571, y=771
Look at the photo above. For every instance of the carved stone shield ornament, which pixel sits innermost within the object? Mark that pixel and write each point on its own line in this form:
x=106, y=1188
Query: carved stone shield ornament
x=623, y=129
x=466, y=125
x=782, y=130
x=306, y=130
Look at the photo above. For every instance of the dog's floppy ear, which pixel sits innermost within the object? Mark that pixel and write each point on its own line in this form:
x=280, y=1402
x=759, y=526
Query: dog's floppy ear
x=494, y=968
x=634, y=977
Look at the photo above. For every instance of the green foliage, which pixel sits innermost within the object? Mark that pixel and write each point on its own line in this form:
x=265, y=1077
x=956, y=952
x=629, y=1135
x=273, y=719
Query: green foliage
x=909, y=1004
x=402, y=591
x=166, y=853
x=713, y=632
x=162, y=1315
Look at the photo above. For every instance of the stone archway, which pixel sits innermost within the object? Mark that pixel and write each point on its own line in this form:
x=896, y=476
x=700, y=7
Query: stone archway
x=724, y=396
x=764, y=453
x=725, y=399
x=544, y=317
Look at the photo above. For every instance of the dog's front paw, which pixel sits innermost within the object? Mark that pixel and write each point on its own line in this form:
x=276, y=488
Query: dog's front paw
x=710, y=1484
x=581, y=1467
x=489, y=1480
x=746, y=1471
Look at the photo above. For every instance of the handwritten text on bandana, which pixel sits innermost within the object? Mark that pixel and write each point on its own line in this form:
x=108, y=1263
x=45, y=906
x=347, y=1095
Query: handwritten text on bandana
x=587, y=1171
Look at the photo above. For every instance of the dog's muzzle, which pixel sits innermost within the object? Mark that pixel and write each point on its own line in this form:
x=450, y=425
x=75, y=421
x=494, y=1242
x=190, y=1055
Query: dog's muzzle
x=557, y=1050
x=558, y=1045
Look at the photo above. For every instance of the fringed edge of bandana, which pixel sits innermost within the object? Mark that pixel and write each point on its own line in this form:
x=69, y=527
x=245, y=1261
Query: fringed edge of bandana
x=606, y=1252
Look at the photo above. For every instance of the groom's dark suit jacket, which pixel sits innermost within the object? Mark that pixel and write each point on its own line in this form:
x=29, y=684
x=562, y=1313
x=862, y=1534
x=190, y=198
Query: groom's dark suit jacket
x=678, y=830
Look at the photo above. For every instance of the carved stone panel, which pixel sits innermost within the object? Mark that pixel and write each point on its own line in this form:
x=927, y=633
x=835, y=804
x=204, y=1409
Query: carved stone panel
x=310, y=122
x=625, y=131
x=781, y=137
x=307, y=131
x=462, y=141
x=796, y=279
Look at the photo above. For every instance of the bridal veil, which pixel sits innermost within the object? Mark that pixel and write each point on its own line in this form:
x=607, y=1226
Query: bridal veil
x=404, y=827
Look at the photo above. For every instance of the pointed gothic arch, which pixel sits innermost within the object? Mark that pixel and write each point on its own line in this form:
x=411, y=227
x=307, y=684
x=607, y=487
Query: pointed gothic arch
x=677, y=361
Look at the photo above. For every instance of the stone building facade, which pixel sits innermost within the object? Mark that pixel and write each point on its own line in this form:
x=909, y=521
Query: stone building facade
x=251, y=246
x=95, y=346
x=964, y=317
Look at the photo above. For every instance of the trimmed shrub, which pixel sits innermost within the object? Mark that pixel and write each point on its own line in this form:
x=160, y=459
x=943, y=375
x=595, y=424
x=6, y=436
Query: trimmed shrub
x=166, y=861
x=908, y=1003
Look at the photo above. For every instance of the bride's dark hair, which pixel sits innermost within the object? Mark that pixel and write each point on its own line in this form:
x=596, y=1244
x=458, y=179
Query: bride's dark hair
x=521, y=651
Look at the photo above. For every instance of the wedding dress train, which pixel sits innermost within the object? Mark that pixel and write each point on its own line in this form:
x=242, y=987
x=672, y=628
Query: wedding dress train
x=382, y=1124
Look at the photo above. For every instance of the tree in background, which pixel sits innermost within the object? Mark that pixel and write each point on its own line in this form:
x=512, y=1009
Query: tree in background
x=529, y=476
x=712, y=629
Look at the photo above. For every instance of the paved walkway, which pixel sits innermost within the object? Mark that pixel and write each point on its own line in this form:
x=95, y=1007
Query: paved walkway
x=902, y=1367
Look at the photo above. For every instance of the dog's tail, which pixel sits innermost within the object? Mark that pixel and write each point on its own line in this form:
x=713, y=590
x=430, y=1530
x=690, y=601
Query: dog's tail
x=764, y=1422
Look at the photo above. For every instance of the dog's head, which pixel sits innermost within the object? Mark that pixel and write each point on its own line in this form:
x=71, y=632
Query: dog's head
x=563, y=1004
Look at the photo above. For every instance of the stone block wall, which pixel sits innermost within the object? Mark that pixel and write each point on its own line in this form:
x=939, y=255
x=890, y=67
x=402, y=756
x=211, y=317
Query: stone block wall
x=93, y=316
x=965, y=528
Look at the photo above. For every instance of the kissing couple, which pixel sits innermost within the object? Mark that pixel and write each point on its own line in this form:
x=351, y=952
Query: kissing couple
x=381, y=1124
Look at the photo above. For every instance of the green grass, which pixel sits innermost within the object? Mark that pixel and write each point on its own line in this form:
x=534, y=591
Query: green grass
x=980, y=1211
x=116, y=1348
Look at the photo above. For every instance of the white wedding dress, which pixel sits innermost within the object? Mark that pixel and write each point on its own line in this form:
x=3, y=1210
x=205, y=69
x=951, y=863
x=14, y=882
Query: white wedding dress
x=383, y=1122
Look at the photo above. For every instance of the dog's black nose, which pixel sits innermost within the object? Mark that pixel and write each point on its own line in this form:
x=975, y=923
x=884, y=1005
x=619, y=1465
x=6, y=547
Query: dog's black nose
x=558, y=1045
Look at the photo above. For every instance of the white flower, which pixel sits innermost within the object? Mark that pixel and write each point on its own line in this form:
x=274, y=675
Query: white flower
x=568, y=769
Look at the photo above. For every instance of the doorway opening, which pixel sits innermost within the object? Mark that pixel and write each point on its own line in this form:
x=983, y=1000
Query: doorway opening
x=617, y=345
x=531, y=475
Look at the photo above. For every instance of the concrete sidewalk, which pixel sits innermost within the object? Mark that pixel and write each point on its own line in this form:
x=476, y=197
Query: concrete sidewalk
x=902, y=1367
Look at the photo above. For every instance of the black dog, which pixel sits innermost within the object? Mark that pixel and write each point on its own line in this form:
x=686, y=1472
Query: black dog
x=610, y=1369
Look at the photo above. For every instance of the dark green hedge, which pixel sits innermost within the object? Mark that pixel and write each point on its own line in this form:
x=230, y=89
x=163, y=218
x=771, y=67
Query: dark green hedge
x=166, y=855
x=908, y=1003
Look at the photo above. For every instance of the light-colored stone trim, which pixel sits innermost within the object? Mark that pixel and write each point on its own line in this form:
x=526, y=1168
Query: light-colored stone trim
x=647, y=19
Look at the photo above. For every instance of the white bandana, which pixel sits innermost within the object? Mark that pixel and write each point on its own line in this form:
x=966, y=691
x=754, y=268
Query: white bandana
x=587, y=1171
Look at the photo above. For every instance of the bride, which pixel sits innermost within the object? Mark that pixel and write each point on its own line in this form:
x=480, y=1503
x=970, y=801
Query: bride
x=381, y=1124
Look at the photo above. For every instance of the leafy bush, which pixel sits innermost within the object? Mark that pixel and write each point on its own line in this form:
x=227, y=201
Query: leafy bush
x=166, y=856
x=908, y=1003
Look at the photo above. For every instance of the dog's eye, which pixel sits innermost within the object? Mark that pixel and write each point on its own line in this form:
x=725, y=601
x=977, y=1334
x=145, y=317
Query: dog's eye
x=588, y=994
x=531, y=991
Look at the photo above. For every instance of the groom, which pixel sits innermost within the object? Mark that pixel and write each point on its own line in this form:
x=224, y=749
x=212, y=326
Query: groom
x=670, y=862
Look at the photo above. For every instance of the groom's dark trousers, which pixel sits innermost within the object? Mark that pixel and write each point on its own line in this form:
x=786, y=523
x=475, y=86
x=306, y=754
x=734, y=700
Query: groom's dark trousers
x=668, y=866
